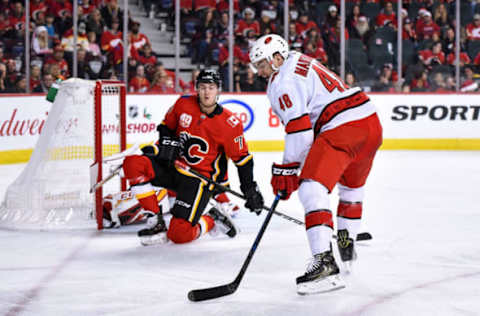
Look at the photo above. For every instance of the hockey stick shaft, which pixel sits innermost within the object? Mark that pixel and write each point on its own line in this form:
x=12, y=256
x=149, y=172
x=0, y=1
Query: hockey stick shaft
x=222, y=290
x=181, y=165
x=223, y=188
x=108, y=178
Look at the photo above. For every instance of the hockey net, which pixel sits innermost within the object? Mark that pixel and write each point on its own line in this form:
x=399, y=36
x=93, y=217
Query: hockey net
x=85, y=125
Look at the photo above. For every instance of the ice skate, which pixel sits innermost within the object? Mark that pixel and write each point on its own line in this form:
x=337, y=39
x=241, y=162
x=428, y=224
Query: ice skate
x=223, y=222
x=155, y=232
x=322, y=275
x=346, y=248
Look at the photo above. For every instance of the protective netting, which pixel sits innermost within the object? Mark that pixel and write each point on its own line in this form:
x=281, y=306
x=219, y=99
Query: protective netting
x=53, y=189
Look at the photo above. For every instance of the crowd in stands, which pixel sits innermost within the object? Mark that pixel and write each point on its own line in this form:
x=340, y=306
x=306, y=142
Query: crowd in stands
x=428, y=42
x=99, y=47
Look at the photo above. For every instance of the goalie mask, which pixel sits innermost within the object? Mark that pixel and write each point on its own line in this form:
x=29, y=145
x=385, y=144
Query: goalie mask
x=267, y=46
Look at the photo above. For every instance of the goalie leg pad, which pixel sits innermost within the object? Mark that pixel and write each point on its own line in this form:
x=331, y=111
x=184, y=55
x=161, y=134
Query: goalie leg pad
x=181, y=231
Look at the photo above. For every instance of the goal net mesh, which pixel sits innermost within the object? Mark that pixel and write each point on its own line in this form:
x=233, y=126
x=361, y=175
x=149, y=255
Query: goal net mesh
x=53, y=189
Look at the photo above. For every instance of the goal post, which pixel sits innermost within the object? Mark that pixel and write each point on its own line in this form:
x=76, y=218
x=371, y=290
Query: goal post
x=85, y=125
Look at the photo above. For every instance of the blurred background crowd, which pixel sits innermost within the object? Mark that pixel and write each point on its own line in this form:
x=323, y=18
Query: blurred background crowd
x=428, y=42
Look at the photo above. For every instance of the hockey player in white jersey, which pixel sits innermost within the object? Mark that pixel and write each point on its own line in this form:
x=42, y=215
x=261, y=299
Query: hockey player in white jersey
x=332, y=135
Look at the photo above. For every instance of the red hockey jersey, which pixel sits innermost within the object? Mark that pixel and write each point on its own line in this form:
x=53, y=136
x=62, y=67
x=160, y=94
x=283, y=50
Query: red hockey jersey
x=208, y=139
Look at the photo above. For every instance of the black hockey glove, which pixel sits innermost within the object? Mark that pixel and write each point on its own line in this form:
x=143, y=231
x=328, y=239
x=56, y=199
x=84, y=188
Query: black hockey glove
x=168, y=149
x=254, y=198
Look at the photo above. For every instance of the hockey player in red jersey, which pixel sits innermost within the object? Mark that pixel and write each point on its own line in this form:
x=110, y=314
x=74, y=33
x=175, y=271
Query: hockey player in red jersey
x=200, y=133
x=332, y=135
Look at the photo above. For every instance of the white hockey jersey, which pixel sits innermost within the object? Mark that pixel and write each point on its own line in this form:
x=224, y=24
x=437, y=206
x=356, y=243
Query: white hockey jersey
x=310, y=99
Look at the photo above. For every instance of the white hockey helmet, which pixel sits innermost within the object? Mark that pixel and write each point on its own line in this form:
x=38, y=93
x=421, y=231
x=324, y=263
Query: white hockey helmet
x=265, y=47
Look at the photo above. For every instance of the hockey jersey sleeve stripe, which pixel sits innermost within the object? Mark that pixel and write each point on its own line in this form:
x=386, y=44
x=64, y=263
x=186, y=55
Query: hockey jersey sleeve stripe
x=318, y=218
x=338, y=106
x=298, y=124
x=244, y=160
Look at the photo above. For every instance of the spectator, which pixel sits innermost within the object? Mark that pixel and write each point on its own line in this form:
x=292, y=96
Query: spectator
x=362, y=30
x=111, y=43
x=6, y=7
x=56, y=72
x=426, y=27
x=45, y=84
x=386, y=79
x=111, y=12
x=420, y=82
x=251, y=82
x=304, y=24
x=449, y=41
x=190, y=86
x=386, y=14
x=5, y=26
x=408, y=31
x=68, y=38
x=350, y=80
x=93, y=48
x=51, y=29
x=311, y=49
x=438, y=84
x=247, y=23
x=95, y=23
x=223, y=6
x=62, y=10
x=432, y=57
x=468, y=82
x=11, y=75
x=35, y=77
x=314, y=36
x=82, y=64
x=39, y=18
x=203, y=53
x=353, y=17
x=162, y=83
x=139, y=83
x=20, y=85
x=293, y=37
x=37, y=8
x=58, y=60
x=137, y=40
x=440, y=15
x=161, y=68
x=267, y=22
x=464, y=59
x=86, y=8
x=473, y=29
x=146, y=58
x=331, y=18
x=221, y=30
x=41, y=44
x=3, y=75
x=17, y=20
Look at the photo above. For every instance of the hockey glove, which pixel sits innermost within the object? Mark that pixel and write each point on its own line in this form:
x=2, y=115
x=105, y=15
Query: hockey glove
x=168, y=149
x=254, y=198
x=285, y=179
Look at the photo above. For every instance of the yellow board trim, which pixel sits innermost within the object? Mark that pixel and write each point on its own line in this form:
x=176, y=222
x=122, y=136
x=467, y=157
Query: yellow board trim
x=23, y=155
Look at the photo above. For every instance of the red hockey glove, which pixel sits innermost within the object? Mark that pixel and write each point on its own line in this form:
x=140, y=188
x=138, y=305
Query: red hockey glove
x=285, y=179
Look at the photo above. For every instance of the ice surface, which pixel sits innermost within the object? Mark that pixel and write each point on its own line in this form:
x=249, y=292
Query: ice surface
x=421, y=208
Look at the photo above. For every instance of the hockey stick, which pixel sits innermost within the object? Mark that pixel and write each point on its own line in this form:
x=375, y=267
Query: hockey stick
x=230, y=288
x=108, y=178
x=223, y=188
x=181, y=165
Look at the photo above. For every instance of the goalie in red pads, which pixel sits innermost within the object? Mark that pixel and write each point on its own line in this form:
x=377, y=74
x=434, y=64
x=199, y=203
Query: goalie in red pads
x=332, y=135
x=200, y=133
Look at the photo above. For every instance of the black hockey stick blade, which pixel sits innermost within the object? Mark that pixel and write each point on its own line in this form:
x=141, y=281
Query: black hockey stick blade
x=230, y=288
x=364, y=236
x=213, y=292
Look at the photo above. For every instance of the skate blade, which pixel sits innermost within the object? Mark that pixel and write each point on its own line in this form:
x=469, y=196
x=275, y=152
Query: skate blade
x=157, y=239
x=328, y=284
